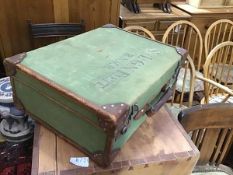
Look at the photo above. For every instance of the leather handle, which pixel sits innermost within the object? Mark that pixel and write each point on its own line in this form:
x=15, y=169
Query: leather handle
x=151, y=110
x=160, y=103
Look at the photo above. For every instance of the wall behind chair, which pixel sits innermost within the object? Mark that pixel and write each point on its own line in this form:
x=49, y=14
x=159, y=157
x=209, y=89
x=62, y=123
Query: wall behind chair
x=14, y=33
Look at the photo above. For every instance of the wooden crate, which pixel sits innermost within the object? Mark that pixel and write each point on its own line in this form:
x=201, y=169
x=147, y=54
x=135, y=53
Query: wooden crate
x=159, y=147
x=210, y=3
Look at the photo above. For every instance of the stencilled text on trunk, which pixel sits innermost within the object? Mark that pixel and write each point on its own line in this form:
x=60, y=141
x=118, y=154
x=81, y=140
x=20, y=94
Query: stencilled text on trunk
x=122, y=67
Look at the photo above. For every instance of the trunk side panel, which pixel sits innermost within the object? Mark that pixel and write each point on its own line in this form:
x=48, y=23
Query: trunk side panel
x=45, y=89
x=79, y=131
x=125, y=137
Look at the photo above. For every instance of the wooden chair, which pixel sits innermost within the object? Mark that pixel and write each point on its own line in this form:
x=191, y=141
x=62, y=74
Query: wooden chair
x=211, y=129
x=182, y=96
x=218, y=32
x=186, y=35
x=140, y=31
x=183, y=92
x=219, y=68
x=54, y=32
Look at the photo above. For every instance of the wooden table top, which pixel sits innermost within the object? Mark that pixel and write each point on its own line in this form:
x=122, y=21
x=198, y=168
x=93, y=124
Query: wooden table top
x=148, y=12
x=159, y=140
x=196, y=11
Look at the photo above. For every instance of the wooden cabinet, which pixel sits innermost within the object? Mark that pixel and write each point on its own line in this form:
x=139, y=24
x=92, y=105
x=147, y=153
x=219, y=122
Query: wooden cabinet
x=159, y=147
x=14, y=14
x=210, y=3
x=203, y=18
x=151, y=18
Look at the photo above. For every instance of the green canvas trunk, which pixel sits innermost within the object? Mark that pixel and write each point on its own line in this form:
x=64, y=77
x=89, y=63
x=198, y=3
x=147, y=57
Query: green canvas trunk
x=97, y=88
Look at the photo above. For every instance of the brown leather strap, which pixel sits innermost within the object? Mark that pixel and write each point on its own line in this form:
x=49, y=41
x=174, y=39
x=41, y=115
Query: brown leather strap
x=160, y=102
x=151, y=110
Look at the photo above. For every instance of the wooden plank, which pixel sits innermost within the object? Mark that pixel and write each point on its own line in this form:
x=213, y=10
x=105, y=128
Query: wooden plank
x=15, y=13
x=14, y=28
x=115, y=11
x=91, y=10
x=5, y=18
x=64, y=152
x=74, y=11
x=160, y=143
x=47, y=152
x=61, y=11
x=85, y=13
x=35, y=161
x=38, y=11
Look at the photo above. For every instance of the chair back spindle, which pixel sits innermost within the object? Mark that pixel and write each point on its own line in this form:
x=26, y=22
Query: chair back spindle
x=186, y=35
x=219, y=68
x=218, y=32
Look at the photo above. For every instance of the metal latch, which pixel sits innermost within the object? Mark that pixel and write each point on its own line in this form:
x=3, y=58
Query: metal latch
x=132, y=114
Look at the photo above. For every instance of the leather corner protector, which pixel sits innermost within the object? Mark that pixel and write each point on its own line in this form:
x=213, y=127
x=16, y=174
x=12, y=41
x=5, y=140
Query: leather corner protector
x=11, y=62
x=117, y=109
x=98, y=157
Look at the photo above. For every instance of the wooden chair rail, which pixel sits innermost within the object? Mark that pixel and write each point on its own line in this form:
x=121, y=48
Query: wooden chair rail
x=140, y=31
x=56, y=29
x=207, y=116
x=211, y=129
x=218, y=32
x=219, y=68
x=186, y=35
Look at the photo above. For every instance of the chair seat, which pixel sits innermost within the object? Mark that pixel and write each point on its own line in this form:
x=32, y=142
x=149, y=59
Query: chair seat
x=217, y=99
x=198, y=85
